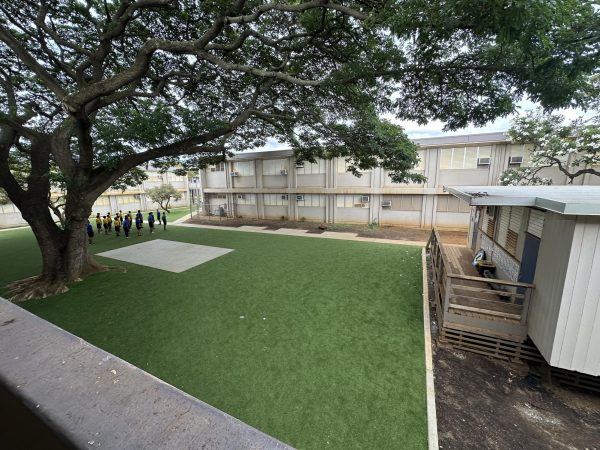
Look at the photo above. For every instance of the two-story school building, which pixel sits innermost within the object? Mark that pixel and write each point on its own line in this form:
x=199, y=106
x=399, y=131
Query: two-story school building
x=271, y=185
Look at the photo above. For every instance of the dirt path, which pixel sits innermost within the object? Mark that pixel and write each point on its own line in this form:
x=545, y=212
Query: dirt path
x=372, y=231
x=482, y=403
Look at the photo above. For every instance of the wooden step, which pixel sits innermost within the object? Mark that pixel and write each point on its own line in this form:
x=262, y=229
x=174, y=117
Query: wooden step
x=486, y=312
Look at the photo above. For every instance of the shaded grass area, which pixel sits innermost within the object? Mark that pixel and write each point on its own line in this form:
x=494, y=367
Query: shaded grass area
x=317, y=342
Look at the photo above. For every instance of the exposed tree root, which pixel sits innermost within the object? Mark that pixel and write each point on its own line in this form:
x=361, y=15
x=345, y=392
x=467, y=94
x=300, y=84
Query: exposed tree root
x=34, y=287
x=40, y=287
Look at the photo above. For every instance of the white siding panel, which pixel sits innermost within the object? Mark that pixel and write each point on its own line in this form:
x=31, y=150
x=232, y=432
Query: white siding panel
x=578, y=332
x=516, y=215
x=503, y=225
x=536, y=222
x=552, y=265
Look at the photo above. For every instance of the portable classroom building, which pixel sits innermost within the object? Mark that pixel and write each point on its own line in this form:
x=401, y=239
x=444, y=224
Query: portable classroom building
x=549, y=236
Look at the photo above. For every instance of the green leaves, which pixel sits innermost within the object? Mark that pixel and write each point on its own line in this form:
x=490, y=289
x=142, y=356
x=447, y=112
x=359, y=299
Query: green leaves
x=573, y=148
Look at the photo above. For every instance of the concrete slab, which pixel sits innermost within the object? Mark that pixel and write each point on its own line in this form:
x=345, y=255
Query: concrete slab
x=324, y=235
x=93, y=399
x=290, y=231
x=250, y=228
x=172, y=256
x=338, y=235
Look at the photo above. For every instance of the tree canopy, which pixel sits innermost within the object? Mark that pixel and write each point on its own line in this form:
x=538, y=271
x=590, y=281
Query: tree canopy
x=92, y=89
x=573, y=148
x=163, y=195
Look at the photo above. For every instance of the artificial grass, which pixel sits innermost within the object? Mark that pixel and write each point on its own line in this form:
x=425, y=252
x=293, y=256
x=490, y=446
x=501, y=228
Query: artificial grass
x=318, y=342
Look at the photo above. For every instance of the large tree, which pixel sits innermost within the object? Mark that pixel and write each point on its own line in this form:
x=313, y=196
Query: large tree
x=91, y=89
x=572, y=148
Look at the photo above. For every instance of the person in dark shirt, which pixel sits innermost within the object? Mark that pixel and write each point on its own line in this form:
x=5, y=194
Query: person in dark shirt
x=164, y=220
x=90, y=232
x=151, y=221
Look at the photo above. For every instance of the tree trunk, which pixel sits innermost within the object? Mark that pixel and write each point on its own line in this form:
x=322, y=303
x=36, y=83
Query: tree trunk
x=65, y=255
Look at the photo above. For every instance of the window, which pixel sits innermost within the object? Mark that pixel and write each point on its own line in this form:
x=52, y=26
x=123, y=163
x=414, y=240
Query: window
x=219, y=167
x=246, y=199
x=276, y=199
x=311, y=168
x=312, y=200
x=244, y=168
x=342, y=166
x=509, y=227
x=420, y=166
x=463, y=157
x=521, y=150
x=350, y=201
x=274, y=166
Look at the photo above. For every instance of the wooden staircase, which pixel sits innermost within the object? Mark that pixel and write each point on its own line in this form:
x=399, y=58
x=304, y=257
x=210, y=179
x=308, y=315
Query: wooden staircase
x=468, y=302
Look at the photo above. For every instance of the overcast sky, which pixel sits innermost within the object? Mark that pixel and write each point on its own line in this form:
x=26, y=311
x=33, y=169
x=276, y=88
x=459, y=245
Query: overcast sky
x=416, y=131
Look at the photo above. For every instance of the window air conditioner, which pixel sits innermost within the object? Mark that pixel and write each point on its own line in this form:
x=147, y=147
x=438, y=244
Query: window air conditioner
x=300, y=198
x=299, y=165
x=283, y=171
x=515, y=160
x=241, y=196
x=364, y=199
x=235, y=174
x=284, y=197
x=386, y=204
x=483, y=161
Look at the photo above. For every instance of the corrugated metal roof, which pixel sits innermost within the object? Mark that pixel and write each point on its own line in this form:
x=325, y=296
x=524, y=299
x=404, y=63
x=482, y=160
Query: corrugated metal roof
x=572, y=200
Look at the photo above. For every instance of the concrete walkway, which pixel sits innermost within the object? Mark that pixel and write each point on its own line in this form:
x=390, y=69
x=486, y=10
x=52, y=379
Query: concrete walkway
x=299, y=232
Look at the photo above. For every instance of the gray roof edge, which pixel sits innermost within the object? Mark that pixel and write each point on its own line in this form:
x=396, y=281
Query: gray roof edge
x=566, y=200
x=476, y=138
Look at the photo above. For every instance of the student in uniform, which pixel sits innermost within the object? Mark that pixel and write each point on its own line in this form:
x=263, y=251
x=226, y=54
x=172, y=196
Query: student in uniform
x=158, y=216
x=164, y=220
x=99, y=223
x=118, y=225
x=151, y=221
x=110, y=221
x=138, y=225
x=105, y=224
x=127, y=225
x=90, y=232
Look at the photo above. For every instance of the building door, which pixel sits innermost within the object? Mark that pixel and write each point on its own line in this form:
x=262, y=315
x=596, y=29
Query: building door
x=529, y=259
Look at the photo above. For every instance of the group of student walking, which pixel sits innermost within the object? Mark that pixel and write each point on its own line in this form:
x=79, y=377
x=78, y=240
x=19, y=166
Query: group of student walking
x=125, y=222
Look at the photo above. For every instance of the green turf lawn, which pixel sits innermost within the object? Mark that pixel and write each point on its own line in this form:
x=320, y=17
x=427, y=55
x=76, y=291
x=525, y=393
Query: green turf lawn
x=328, y=354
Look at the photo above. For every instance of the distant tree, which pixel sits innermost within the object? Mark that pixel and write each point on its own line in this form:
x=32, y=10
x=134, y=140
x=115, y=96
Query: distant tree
x=573, y=148
x=97, y=88
x=163, y=195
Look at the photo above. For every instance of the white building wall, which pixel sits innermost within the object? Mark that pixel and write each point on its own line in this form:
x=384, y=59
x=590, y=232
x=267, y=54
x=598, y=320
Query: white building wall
x=549, y=281
x=577, y=341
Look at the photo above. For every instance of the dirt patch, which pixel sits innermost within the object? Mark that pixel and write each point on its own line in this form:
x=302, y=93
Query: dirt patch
x=486, y=403
x=372, y=231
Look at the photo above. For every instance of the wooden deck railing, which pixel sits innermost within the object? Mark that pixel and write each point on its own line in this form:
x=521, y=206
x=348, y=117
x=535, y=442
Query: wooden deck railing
x=472, y=302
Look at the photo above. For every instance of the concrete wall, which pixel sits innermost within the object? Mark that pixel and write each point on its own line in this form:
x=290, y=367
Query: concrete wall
x=352, y=215
x=244, y=182
x=311, y=213
x=275, y=181
x=275, y=212
x=463, y=177
x=92, y=399
x=349, y=180
x=391, y=217
x=313, y=180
